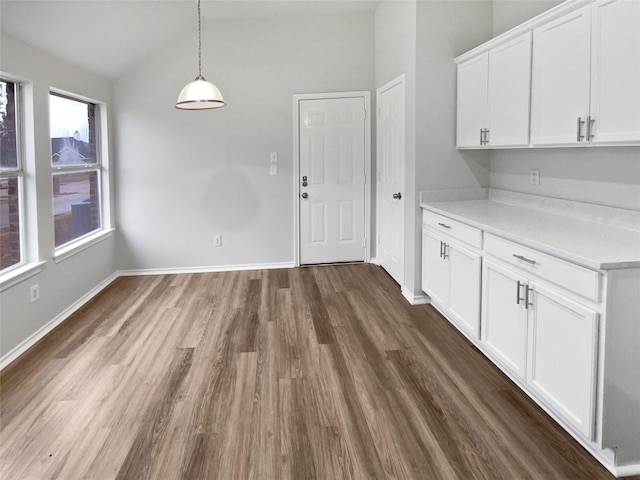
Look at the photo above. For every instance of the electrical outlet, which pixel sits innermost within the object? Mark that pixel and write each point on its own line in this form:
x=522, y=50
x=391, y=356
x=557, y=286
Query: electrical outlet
x=273, y=170
x=217, y=240
x=534, y=177
x=34, y=293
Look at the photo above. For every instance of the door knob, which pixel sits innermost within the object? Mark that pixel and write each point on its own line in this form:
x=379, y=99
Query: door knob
x=397, y=195
x=304, y=195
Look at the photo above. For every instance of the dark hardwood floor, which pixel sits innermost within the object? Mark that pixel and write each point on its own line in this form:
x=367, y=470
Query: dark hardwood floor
x=310, y=373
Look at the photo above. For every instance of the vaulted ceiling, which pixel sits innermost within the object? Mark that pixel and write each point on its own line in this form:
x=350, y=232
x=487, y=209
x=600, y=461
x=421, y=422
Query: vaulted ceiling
x=106, y=37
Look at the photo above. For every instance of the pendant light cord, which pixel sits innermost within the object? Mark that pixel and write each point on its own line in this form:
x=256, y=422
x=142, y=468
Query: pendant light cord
x=199, y=44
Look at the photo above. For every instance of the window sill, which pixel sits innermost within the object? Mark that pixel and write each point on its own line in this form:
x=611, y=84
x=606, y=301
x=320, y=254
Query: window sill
x=61, y=254
x=18, y=275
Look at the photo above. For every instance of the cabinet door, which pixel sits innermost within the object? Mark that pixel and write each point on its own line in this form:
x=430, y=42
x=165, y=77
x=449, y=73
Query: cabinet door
x=509, y=92
x=435, y=270
x=472, y=100
x=562, y=356
x=615, y=71
x=561, y=71
x=504, y=318
x=464, y=288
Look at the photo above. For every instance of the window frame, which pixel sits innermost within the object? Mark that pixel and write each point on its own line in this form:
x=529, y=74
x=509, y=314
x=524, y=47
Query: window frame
x=19, y=173
x=99, y=165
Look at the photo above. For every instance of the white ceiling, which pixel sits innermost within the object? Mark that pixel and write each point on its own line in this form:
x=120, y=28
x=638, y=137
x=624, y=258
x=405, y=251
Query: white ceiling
x=106, y=37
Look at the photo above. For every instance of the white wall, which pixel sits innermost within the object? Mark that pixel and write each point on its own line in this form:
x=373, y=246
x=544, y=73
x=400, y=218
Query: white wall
x=445, y=29
x=185, y=176
x=603, y=175
x=64, y=283
x=510, y=13
x=420, y=39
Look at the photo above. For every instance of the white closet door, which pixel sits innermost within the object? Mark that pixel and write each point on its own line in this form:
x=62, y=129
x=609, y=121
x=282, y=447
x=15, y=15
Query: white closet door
x=391, y=166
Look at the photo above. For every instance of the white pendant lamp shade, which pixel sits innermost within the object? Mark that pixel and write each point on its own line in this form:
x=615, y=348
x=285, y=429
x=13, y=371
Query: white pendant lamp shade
x=200, y=94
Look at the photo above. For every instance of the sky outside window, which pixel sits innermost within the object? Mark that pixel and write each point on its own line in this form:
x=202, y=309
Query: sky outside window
x=68, y=117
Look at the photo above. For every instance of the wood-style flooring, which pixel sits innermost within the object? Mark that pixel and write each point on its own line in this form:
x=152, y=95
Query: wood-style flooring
x=309, y=373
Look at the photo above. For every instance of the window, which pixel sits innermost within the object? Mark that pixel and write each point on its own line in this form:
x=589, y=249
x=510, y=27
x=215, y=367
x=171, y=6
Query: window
x=11, y=177
x=77, y=169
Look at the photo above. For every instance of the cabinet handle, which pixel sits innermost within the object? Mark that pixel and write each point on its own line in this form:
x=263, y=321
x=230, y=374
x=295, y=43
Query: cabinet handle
x=580, y=137
x=441, y=248
x=524, y=259
x=443, y=225
x=446, y=255
x=481, y=136
x=486, y=136
x=590, y=122
x=526, y=296
x=518, y=292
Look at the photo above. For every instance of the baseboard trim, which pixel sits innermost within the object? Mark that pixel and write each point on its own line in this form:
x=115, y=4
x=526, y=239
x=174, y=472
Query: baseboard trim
x=626, y=470
x=209, y=269
x=421, y=299
x=35, y=337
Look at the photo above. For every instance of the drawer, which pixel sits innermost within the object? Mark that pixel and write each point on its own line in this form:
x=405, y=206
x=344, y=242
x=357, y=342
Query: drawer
x=460, y=231
x=573, y=277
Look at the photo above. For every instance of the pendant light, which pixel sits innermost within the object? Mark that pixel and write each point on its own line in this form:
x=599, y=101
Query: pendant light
x=200, y=94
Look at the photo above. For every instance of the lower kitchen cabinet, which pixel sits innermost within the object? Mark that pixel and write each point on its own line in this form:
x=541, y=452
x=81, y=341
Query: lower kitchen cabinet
x=504, y=318
x=545, y=339
x=564, y=332
x=464, y=288
x=451, y=277
x=435, y=269
x=562, y=353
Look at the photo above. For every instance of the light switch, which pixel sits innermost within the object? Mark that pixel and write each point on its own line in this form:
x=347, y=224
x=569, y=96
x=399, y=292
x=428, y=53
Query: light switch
x=273, y=170
x=274, y=158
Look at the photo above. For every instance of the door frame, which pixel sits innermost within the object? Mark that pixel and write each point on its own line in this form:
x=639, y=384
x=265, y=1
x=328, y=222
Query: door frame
x=399, y=80
x=297, y=98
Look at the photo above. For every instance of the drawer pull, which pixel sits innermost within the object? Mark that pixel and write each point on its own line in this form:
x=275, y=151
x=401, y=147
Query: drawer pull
x=526, y=298
x=580, y=137
x=518, y=299
x=524, y=259
x=444, y=225
x=590, y=122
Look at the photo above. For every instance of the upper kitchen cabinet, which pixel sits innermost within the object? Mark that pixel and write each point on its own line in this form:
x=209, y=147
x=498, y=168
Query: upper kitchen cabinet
x=586, y=73
x=493, y=96
x=568, y=77
x=509, y=87
x=472, y=101
x=560, y=91
x=615, y=72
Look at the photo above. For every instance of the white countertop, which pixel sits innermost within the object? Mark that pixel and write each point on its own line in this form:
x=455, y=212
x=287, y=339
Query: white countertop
x=590, y=244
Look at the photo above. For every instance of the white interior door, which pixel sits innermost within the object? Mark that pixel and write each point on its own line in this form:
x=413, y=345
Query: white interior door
x=332, y=180
x=391, y=160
